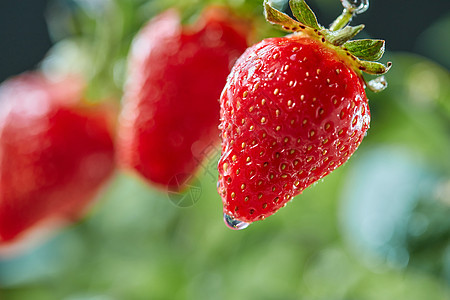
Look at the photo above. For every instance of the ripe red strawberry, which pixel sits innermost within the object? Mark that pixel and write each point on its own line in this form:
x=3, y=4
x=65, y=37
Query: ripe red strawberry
x=294, y=109
x=54, y=155
x=171, y=109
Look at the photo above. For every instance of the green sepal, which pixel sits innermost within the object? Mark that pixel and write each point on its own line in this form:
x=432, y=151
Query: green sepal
x=341, y=36
x=373, y=68
x=303, y=13
x=377, y=85
x=366, y=49
x=363, y=52
x=275, y=16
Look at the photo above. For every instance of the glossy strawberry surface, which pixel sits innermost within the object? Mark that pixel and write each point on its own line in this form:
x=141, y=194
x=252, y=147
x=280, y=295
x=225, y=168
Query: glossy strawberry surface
x=54, y=154
x=171, y=110
x=292, y=111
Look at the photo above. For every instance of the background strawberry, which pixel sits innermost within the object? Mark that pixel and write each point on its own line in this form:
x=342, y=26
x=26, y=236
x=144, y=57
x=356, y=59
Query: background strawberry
x=170, y=111
x=294, y=109
x=54, y=154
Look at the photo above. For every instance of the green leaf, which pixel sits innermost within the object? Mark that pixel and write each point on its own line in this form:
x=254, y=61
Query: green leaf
x=303, y=13
x=366, y=49
x=341, y=36
x=374, y=68
x=275, y=16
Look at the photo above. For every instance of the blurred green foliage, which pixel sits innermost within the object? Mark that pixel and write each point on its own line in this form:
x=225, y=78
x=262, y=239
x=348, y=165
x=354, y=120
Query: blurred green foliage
x=376, y=228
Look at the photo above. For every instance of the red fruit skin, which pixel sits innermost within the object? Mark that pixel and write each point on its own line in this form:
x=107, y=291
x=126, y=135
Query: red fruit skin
x=54, y=156
x=171, y=111
x=292, y=111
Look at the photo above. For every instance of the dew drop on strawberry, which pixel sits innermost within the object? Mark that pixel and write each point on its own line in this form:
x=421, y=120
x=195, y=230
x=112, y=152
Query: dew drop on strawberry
x=234, y=223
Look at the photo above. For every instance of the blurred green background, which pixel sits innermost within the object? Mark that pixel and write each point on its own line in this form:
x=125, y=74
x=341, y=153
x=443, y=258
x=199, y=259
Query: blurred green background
x=376, y=228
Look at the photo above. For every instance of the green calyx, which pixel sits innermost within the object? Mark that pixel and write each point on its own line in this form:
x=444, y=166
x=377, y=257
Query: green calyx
x=364, y=52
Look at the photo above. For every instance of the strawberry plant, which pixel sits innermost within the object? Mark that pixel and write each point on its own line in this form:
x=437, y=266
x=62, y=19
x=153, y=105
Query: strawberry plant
x=294, y=109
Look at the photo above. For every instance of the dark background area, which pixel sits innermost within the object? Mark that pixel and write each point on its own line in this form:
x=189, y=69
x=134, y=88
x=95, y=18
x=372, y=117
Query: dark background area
x=24, y=37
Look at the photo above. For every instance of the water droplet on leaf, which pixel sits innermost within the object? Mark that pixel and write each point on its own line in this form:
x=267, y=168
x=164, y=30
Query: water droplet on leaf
x=359, y=6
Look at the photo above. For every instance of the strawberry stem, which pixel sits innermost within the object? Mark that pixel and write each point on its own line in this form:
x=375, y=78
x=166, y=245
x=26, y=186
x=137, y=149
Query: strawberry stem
x=363, y=52
x=343, y=19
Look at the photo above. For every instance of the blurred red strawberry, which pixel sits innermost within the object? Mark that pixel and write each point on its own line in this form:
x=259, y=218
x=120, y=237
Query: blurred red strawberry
x=171, y=109
x=54, y=154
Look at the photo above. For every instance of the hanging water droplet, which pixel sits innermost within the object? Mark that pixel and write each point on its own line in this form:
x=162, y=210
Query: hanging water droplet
x=234, y=224
x=358, y=6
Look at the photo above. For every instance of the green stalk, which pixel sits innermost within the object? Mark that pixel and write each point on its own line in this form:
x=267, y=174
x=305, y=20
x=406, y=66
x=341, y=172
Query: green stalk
x=343, y=19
